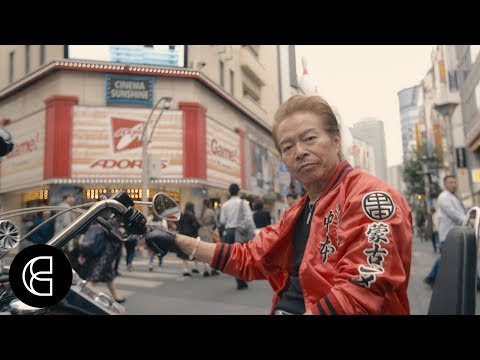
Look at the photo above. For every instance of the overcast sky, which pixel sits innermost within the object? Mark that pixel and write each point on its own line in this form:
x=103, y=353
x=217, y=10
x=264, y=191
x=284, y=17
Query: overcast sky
x=363, y=81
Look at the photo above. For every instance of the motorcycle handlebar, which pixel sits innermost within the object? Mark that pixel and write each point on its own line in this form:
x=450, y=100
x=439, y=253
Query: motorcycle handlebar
x=83, y=221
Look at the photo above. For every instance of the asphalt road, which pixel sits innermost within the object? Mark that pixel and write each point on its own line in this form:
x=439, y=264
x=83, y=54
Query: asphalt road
x=165, y=291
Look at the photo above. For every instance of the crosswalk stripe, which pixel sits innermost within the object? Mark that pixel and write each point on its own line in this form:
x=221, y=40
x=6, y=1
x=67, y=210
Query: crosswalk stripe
x=151, y=275
x=124, y=281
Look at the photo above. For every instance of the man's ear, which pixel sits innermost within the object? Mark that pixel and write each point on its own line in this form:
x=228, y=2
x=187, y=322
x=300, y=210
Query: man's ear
x=337, y=138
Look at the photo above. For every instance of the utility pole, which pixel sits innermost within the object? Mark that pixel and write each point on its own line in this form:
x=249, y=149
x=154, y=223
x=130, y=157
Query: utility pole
x=146, y=138
x=446, y=109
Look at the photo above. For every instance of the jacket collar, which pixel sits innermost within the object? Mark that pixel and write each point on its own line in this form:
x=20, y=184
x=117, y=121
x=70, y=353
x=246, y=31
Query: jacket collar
x=340, y=173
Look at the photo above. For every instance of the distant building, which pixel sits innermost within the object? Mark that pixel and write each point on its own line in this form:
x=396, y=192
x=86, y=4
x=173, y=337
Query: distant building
x=357, y=152
x=372, y=132
x=407, y=99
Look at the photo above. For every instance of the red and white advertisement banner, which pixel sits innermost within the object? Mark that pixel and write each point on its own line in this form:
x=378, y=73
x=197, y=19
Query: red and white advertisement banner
x=223, y=154
x=24, y=164
x=107, y=142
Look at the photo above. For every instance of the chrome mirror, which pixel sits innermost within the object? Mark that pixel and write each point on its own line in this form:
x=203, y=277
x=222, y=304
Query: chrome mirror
x=9, y=235
x=165, y=207
x=18, y=307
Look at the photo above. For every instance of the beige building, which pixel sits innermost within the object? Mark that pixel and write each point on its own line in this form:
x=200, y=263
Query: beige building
x=77, y=121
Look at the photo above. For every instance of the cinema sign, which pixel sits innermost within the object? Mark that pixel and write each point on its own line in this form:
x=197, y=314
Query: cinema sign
x=121, y=89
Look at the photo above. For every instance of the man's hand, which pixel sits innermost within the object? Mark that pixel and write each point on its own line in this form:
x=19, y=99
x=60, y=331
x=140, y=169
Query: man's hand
x=161, y=241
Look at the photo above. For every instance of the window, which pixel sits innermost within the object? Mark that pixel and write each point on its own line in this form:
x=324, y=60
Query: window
x=222, y=81
x=470, y=107
x=27, y=59
x=232, y=79
x=42, y=54
x=10, y=66
x=452, y=80
x=465, y=64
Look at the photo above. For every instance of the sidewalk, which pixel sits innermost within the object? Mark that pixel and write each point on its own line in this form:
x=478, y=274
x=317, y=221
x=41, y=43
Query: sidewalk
x=419, y=293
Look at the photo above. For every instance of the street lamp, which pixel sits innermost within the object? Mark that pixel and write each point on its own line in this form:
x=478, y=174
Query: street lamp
x=146, y=139
x=446, y=109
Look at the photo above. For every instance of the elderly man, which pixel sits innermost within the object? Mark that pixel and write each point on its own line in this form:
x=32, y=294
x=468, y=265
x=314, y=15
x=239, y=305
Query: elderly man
x=451, y=212
x=343, y=248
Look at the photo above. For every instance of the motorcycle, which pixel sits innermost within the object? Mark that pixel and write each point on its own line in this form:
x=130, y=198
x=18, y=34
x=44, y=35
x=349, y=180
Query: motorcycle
x=82, y=299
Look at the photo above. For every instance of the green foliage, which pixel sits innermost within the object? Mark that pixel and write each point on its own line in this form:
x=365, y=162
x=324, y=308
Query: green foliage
x=415, y=179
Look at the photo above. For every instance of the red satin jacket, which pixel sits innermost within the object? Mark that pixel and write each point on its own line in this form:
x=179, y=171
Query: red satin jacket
x=358, y=255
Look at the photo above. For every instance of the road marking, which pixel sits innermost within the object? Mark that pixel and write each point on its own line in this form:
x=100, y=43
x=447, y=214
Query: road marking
x=124, y=281
x=151, y=275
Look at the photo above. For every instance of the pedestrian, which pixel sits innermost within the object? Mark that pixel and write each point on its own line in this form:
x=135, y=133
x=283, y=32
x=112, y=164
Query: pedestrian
x=451, y=213
x=208, y=226
x=291, y=199
x=188, y=225
x=155, y=220
x=64, y=220
x=131, y=243
x=261, y=217
x=234, y=212
x=45, y=232
x=345, y=247
x=99, y=251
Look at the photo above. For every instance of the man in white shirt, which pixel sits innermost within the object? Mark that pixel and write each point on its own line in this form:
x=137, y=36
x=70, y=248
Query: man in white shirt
x=451, y=212
x=230, y=218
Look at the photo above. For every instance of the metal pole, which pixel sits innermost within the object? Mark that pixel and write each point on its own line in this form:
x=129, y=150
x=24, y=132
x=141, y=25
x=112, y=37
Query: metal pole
x=146, y=138
x=145, y=176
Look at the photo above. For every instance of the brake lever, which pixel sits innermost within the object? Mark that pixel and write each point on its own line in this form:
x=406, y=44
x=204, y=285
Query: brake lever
x=135, y=221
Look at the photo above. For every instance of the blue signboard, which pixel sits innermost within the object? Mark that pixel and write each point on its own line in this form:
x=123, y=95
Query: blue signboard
x=121, y=89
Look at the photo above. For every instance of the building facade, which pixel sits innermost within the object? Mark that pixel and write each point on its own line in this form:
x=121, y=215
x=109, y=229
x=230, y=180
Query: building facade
x=468, y=77
x=77, y=123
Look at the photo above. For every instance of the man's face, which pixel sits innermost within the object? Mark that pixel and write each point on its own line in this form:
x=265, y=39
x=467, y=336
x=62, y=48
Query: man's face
x=310, y=153
x=451, y=184
x=70, y=200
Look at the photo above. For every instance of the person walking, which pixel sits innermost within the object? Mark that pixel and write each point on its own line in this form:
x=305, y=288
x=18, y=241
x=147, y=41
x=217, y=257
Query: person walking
x=231, y=216
x=188, y=225
x=451, y=213
x=208, y=225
